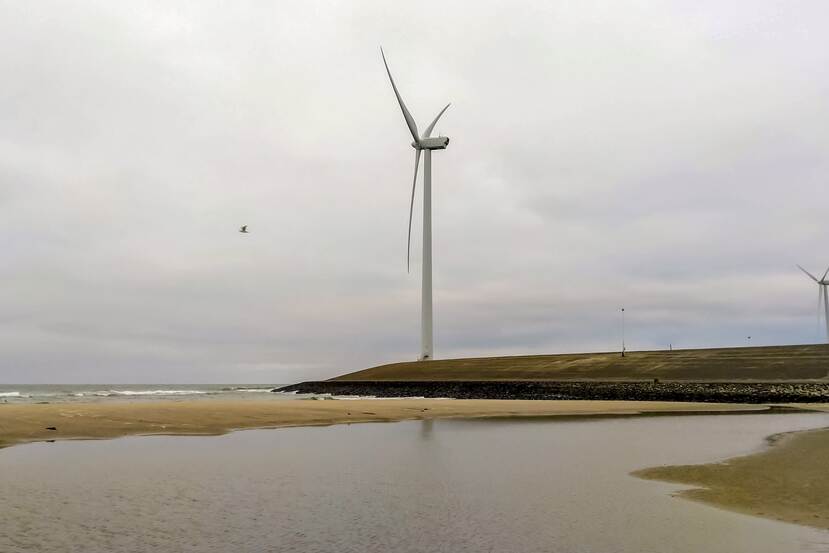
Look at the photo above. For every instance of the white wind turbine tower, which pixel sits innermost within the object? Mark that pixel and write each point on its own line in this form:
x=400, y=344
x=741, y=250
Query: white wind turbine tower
x=821, y=294
x=422, y=143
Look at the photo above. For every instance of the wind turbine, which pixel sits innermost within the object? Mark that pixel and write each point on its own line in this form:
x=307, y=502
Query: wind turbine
x=422, y=143
x=821, y=293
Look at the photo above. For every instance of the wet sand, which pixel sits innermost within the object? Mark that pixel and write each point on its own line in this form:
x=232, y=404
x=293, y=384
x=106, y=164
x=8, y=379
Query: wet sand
x=31, y=423
x=785, y=482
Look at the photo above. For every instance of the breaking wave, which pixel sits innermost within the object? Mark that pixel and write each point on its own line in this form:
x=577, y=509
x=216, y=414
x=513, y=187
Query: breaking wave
x=113, y=393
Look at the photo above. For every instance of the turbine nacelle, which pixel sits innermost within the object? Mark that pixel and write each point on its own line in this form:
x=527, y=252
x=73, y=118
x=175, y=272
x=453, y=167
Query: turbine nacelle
x=821, y=281
x=434, y=143
x=420, y=142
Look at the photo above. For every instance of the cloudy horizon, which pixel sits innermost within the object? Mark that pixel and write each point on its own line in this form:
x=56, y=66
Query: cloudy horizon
x=668, y=157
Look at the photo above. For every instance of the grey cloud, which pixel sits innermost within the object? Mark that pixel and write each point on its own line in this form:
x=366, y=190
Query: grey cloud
x=668, y=157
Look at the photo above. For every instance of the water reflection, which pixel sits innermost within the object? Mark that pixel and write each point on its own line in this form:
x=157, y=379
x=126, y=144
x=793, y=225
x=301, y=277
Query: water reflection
x=426, y=428
x=420, y=486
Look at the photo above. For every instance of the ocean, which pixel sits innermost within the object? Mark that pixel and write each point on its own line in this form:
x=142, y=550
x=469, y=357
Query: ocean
x=67, y=393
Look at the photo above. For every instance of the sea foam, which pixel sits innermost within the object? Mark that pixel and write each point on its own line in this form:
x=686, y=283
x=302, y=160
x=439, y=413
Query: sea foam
x=111, y=393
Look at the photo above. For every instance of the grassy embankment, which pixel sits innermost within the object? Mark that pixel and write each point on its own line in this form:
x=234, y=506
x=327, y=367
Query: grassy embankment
x=774, y=363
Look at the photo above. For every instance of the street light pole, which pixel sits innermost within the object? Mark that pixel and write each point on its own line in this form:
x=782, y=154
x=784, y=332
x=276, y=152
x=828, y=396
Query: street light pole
x=623, y=332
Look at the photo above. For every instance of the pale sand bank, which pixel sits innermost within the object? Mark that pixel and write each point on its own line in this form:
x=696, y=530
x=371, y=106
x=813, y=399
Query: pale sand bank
x=787, y=482
x=807, y=406
x=29, y=423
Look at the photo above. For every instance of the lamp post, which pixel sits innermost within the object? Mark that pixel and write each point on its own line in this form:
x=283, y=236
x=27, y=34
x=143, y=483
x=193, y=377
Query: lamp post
x=623, y=332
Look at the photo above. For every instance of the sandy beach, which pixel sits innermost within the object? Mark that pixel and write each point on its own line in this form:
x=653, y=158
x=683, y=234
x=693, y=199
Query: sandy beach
x=785, y=482
x=32, y=422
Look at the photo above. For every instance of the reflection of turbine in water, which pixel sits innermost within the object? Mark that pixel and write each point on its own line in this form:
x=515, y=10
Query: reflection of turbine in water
x=422, y=143
x=426, y=427
x=822, y=283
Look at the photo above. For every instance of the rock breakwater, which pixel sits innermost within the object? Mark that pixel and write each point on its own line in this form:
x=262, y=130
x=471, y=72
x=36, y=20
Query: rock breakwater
x=717, y=392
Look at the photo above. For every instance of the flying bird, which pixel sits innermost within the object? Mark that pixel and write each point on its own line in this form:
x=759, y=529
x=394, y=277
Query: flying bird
x=244, y=229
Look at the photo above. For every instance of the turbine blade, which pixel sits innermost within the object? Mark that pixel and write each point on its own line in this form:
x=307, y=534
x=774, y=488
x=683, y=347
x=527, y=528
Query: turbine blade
x=411, y=210
x=808, y=273
x=406, y=115
x=428, y=131
x=826, y=273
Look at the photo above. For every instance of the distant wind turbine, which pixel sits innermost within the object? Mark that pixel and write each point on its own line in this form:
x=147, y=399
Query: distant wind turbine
x=427, y=143
x=821, y=294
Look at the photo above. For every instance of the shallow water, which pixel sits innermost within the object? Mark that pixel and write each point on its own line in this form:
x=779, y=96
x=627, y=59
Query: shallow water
x=478, y=485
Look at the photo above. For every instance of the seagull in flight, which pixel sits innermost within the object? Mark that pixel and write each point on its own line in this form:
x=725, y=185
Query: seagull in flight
x=244, y=229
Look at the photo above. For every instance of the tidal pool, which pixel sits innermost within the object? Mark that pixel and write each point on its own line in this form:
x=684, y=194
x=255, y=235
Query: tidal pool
x=508, y=485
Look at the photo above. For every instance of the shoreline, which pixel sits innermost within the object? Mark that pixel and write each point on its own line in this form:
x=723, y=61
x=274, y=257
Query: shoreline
x=785, y=481
x=26, y=423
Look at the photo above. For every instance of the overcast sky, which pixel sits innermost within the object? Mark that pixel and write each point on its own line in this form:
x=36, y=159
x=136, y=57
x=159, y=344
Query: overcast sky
x=669, y=157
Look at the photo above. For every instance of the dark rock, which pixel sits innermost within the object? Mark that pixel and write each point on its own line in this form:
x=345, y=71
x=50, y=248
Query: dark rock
x=712, y=392
x=51, y=428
